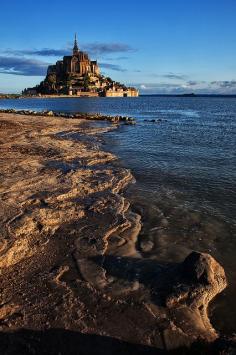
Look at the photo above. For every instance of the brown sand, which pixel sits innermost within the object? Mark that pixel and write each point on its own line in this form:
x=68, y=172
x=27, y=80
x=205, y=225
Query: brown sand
x=72, y=281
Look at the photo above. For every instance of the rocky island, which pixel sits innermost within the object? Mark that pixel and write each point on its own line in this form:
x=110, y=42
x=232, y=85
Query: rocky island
x=77, y=75
x=72, y=279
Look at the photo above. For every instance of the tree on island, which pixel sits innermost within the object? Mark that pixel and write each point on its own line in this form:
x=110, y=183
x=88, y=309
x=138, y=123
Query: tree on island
x=68, y=80
x=109, y=79
x=52, y=80
x=86, y=82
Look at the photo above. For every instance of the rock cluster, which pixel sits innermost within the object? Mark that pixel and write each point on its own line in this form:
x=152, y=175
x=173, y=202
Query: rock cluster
x=155, y=120
x=85, y=116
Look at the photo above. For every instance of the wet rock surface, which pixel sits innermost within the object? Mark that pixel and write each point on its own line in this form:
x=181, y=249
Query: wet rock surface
x=72, y=278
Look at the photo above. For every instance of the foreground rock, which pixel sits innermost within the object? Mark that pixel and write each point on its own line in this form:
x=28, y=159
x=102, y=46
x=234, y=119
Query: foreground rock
x=79, y=115
x=72, y=280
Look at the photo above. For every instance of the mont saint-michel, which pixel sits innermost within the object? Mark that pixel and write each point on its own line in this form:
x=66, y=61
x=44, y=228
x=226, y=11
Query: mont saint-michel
x=77, y=75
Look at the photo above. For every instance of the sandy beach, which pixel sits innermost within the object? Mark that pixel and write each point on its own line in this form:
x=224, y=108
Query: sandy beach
x=71, y=276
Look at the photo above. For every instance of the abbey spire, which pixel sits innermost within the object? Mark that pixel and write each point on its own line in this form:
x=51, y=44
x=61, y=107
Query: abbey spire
x=76, y=48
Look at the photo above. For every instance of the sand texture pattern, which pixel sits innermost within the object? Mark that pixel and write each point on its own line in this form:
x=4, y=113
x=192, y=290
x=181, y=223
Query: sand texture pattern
x=72, y=280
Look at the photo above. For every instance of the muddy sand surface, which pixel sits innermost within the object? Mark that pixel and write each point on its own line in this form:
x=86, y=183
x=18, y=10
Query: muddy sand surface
x=72, y=280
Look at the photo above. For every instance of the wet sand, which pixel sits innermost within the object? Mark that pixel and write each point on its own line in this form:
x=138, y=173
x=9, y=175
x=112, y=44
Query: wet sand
x=72, y=278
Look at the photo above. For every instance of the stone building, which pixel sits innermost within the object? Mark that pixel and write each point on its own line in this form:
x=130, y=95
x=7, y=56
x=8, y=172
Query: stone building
x=121, y=92
x=78, y=63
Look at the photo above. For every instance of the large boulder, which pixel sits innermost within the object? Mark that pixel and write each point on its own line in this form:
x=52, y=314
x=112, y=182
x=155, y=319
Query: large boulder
x=198, y=280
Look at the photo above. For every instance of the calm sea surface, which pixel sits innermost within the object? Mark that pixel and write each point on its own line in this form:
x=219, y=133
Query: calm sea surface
x=185, y=167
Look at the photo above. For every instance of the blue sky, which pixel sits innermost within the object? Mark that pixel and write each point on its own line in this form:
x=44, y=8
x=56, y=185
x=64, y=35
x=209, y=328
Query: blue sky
x=161, y=46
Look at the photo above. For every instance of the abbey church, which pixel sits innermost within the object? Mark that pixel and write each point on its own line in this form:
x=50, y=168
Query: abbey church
x=78, y=63
x=77, y=75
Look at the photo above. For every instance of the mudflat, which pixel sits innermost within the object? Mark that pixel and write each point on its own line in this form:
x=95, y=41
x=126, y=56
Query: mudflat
x=72, y=280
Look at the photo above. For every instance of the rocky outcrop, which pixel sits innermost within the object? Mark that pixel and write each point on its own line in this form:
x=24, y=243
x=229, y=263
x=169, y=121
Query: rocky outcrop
x=83, y=116
x=199, y=279
x=68, y=250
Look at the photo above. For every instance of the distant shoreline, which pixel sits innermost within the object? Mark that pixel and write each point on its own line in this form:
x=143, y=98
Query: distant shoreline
x=15, y=96
x=190, y=96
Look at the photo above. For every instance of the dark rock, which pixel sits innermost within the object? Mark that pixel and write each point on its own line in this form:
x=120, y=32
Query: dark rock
x=199, y=279
x=159, y=120
x=128, y=123
x=196, y=268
